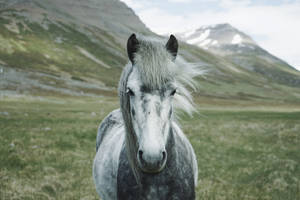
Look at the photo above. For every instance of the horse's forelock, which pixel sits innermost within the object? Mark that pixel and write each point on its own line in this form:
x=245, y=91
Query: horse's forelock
x=152, y=61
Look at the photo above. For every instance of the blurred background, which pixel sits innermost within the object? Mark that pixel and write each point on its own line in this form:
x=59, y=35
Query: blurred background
x=61, y=60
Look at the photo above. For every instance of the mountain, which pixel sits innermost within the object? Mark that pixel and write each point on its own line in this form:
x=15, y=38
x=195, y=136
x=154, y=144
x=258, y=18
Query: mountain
x=241, y=49
x=74, y=47
x=217, y=36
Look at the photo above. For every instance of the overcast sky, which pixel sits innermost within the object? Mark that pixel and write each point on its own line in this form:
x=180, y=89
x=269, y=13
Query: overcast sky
x=273, y=24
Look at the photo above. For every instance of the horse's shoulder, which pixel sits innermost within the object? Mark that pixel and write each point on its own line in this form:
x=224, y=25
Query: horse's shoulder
x=112, y=120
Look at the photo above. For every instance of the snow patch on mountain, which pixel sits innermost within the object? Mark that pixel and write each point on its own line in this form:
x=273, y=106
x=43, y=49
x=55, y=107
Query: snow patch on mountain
x=237, y=39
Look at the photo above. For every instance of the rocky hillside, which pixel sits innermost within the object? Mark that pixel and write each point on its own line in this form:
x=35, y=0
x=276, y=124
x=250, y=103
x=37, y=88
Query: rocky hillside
x=74, y=47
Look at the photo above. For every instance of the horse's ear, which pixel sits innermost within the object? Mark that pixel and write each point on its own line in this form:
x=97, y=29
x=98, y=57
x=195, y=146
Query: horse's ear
x=132, y=46
x=172, y=46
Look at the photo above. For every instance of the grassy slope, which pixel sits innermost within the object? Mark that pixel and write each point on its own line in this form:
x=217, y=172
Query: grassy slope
x=47, y=147
x=35, y=48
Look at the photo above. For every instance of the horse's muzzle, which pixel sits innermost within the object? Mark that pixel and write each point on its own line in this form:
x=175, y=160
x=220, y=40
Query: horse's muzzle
x=152, y=163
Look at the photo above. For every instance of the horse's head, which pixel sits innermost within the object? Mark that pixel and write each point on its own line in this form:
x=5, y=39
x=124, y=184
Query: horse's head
x=150, y=90
x=151, y=86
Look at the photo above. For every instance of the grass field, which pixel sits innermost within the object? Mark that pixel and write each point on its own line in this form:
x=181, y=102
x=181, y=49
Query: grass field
x=47, y=147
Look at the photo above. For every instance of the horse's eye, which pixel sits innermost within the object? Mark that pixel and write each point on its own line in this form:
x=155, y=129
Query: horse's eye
x=129, y=92
x=173, y=92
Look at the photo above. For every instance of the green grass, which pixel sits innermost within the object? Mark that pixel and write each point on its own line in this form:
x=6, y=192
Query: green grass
x=247, y=154
x=47, y=146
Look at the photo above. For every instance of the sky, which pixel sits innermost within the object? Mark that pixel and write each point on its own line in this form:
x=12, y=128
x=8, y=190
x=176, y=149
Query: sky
x=273, y=24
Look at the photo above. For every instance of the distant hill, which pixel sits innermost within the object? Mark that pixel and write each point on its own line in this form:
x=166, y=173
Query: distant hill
x=74, y=47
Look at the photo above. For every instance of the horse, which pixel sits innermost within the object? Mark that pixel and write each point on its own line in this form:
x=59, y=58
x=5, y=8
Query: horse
x=141, y=152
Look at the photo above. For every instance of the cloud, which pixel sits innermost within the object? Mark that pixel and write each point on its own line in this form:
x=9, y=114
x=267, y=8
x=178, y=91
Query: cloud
x=179, y=1
x=234, y=3
x=162, y=22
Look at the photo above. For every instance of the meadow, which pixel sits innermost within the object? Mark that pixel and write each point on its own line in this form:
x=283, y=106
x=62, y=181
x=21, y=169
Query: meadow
x=47, y=146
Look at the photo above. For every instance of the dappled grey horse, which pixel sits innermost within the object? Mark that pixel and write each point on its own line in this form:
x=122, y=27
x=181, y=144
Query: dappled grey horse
x=141, y=151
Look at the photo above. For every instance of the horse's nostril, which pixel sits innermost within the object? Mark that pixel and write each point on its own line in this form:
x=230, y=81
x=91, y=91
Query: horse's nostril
x=141, y=154
x=164, y=155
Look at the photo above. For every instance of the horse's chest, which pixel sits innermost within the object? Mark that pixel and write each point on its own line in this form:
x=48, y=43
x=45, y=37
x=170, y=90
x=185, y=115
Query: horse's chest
x=170, y=184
